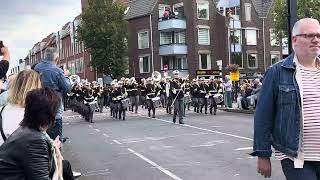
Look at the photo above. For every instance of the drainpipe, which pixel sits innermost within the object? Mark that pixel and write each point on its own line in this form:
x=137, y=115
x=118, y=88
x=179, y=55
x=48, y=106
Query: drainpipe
x=264, y=44
x=151, y=43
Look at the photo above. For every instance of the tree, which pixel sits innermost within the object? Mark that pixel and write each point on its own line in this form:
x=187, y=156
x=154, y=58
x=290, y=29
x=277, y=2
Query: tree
x=306, y=8
x=103, y=30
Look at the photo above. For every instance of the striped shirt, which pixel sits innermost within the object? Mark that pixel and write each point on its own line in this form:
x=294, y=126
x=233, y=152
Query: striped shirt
x=310, y=81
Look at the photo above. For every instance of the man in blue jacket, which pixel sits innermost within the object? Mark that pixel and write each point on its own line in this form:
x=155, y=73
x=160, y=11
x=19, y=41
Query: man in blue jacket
x=53, y=77
x=287, y=115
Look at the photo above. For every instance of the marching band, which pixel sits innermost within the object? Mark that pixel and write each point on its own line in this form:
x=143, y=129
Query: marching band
x=175, y=94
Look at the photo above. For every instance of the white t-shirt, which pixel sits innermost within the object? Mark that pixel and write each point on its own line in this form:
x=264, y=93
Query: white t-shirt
x=12, y=115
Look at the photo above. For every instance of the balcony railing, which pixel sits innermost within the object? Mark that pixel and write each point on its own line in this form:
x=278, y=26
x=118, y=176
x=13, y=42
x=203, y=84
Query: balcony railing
x=173, y=49
x=172, y=23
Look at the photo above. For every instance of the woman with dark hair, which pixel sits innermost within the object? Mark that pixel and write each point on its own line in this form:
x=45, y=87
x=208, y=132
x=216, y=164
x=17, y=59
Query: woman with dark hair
x=29, y=153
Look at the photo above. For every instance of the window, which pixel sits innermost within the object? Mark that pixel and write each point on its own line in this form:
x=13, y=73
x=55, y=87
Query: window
x=179, y=9
x=275, y=58
x=247, y=9
x=165, y=38
x=252, y=60
x=144, y=64
x=233, y=12
x=204, y=61
x=180, y=37
x=174, y=62
x=203, y=10
x=203, y=36
x=251, y=36
x=143, y=40
x=236, y=38
x=273, y=39
x=237, y=59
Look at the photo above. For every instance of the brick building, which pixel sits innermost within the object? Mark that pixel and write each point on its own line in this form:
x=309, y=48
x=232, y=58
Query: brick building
x=202, y=38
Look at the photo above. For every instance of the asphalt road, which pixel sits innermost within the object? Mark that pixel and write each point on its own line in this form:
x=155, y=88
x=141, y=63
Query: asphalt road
x=207, y=147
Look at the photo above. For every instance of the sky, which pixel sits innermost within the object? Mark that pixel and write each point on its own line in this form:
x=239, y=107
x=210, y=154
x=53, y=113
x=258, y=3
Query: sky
x=23, y=23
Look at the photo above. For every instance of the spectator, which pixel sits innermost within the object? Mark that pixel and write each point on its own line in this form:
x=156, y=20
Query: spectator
x=5, y=94
x=29, y=153
x=4, y=63
x=166, y=13
x=287, y=113
x=255, y=93
x=228, y=91
x=12, y=113
x=53, y=77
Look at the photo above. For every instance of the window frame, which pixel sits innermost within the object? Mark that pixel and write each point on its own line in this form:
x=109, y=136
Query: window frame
x=203, y=3
x=256, y=61
x=139, y=39
x=277, y=53
x=207, y=28
x=208, y=60
x=141, y=69
x=248, y=10
x=256, y=37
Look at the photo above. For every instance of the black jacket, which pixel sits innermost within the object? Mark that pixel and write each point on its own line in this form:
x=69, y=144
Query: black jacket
x=26, y=155
x=4, y=66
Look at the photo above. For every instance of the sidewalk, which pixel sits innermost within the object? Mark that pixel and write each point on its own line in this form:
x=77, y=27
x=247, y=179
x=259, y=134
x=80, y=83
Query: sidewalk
x=236, y=110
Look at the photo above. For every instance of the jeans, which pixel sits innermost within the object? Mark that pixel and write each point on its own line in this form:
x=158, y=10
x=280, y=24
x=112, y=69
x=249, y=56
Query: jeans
x=56, y=130
x=310, y=170
x=228, y=99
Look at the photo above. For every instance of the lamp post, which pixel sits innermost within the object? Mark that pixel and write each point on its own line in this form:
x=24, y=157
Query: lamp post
x=292, y=18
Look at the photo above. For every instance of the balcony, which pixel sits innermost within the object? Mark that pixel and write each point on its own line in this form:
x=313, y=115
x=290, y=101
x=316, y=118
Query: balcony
x=173, y=24
x=173, y=49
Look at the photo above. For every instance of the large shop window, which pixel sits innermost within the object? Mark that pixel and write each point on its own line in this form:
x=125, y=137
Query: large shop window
x=203, y=10
x=165, y=38
x=144, y=64
x=174, y=62
x=252, y=60
x=204, y=36
x=204, y=61
x=251, y=35
x=143, y=40
x=275, y=58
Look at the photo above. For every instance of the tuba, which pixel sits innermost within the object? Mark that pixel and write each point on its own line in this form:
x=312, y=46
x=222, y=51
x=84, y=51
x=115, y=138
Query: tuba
x=156, y=76
x=74, y=79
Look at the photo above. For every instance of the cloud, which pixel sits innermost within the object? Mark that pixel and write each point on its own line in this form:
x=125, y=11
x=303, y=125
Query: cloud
x=25, y=22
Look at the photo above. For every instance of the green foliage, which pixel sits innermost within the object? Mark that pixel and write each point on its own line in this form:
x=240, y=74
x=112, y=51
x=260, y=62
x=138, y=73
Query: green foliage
x=104, y=33
x=306, y=8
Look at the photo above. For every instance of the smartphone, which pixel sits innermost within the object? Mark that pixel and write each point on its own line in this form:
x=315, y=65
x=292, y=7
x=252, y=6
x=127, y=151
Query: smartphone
x=1, y=46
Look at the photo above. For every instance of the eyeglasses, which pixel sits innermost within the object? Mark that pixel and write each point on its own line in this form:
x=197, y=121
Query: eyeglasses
x=310, y=36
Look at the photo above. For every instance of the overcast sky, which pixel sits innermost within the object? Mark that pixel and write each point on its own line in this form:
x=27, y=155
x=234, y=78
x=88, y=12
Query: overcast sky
x=25, y=22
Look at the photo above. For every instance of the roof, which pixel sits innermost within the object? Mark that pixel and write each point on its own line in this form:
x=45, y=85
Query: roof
x=139, y=8
x=262, y=7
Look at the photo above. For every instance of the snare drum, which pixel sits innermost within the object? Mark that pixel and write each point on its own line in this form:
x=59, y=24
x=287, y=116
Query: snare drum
x=156, y=102
x=218, y=98
x=125, y=103
x=187, y=99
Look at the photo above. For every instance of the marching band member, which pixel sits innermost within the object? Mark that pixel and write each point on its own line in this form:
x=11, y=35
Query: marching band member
x=212, y=88
x=133, y=94
x=169, y=96
x=187, y=92
x=202, y=96
x=151, y=93
x=195, y=90
x=176, y=87
x=163, y=96
x=143, y=91
x=123, y=95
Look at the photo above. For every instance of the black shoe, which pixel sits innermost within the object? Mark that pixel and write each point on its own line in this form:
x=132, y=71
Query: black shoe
x=181, y=122
x=214, y=113
x=64, y=139
x=174, y=121
x=153, y=116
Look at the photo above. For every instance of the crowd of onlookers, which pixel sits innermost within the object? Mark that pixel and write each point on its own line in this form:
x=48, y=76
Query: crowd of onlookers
x=248, y=94
x=31, y=121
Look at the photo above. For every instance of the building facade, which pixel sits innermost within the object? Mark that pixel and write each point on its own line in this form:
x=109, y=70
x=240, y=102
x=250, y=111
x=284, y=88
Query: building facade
x=201, y=38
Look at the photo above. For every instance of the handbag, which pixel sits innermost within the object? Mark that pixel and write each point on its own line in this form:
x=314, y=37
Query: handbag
x=1, y=127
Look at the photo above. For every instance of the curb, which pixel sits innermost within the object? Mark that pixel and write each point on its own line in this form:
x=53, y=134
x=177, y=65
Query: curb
x=237, y=110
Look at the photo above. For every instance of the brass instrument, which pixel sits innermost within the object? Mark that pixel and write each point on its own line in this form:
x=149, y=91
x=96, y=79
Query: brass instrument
x=74, y=79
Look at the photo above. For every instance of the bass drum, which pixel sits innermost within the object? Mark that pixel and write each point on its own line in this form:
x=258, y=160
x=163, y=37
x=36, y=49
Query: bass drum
x=125, y=103
x=156, y=102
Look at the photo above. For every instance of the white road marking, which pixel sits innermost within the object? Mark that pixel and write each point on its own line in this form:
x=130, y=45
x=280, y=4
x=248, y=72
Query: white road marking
x=203, y=129
x=167, y=172
x=117, y=142
x=209, y=144
x=105, y=135
x=90, y=126
x=97, y=130
x=245, y=148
